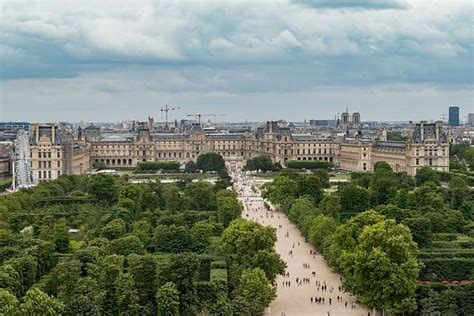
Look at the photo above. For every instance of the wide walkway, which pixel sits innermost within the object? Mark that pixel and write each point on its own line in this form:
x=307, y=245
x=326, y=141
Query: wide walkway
x=304, y=263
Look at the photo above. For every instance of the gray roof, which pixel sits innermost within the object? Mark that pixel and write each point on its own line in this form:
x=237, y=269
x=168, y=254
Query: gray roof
x=390, y=144
x=169, y=136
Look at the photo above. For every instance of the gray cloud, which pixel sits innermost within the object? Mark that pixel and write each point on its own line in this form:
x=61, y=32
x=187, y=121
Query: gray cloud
x=230, y=52
x=355, y=4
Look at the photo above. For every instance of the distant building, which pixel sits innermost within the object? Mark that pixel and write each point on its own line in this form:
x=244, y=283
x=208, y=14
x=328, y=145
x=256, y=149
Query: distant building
x=325, y=123
x=91, y=132
x=344, y=123
x=14, y=126
x=454, y=115
x=427, y=146
x=54, y=152
x=6, y=152
x=470, y=119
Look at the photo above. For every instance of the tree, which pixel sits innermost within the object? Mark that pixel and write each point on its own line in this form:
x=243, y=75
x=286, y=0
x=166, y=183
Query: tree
x=282, y=191
x=114, y=229
x=27, y=268
x=167, y=300
x=86, y=298
x=201, y=196
x=270, y=263
x=383, y=269
x=127, y=245
x=255, y=291
x=9, y=304
x=61, y=237
x=469, y=157
x=143, y=230
x=394, y=212
x=210, y=162
x=263, y=163
x=228, y=208
x=426, y=174
x=345, y=238
x=311, y=186
x=103, y=188
x=457, y=188
x=354, y=199
x=10, y=280
x=331, y=206
x=143, y=270
x=300, y=206
x=173, y=199
x=382, y=166
x=421, y=230
x=322, y=228
x=183, y=271
x=383, y=184
x=36, y=302
x=66, y=275
x=99, y=165
x=201, y=234
x=174, y=239
x=223, y=182
x=126, y=296
x=243, y=239
x=190, y=167
x=110, y=270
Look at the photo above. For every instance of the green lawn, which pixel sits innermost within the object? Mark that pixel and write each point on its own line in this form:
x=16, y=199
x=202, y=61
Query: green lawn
x=340, y=176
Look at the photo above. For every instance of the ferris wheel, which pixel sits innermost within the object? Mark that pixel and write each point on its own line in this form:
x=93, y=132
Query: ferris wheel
x=22, y=171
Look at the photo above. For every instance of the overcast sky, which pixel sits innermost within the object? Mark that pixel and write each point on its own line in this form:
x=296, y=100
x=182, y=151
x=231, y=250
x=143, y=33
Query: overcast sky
x=255, y=60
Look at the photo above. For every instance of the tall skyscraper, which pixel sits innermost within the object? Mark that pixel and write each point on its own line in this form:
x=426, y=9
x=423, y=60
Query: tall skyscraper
x=471, y=119
x=454, y=115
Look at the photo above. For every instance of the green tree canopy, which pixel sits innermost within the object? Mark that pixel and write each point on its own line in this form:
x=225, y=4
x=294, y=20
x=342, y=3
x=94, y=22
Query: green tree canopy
x=210, y=162
x=103, y=188
x=383, y=269
x=255, y=291
x=167, y=300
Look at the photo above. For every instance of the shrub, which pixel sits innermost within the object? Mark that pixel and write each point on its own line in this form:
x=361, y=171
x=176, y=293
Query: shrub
x=307, y=164
x=158, y=165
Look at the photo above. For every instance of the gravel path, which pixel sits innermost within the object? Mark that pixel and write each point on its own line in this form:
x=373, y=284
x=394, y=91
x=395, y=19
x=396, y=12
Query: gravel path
x=295, y=300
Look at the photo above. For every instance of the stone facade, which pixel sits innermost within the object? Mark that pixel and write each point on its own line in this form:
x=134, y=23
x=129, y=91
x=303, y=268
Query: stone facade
x=53, y=154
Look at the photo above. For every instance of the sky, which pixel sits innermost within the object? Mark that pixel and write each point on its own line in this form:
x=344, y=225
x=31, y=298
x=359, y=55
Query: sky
x=259, y=60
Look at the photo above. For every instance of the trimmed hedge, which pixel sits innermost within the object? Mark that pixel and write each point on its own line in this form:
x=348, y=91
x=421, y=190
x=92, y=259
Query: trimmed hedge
x=439, y=269
x=221, y=264
x=207, y=292
x=307, y=164
x=219, y=277
x=158, y=165
x=446, y=253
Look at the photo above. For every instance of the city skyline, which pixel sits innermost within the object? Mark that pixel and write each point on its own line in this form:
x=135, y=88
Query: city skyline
x=390, y=60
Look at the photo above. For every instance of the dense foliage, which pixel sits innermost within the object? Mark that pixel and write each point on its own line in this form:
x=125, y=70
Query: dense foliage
x=386, y=232
x=210, y=162
x=96, y=245
x=262, y=163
